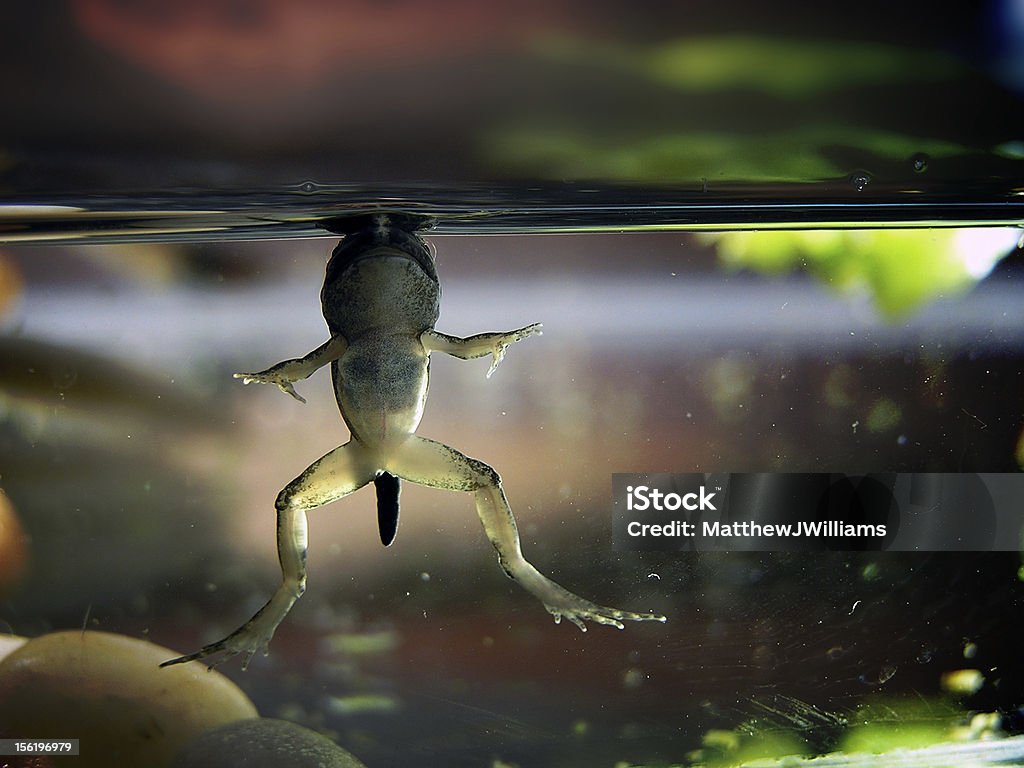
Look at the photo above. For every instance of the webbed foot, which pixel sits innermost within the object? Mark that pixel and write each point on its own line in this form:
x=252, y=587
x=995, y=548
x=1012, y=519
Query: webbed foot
x=583, y=610
x=241, y=641
x=505, y=340
x=561, y=603
x=253, y=636
x=274, y=376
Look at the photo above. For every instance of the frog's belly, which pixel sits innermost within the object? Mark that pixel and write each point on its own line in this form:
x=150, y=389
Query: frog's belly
x=381, y=397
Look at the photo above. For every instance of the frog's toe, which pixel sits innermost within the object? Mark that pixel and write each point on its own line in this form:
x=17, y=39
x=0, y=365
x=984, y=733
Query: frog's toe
x=248, y=377
x=206, y=652
x=571, y=616
x=537, y=329
x=578, y=621
x=630, y=616
x=266, y=377
x=606, y=616
x=286, y=387
x=496, y=357
x=599, y=614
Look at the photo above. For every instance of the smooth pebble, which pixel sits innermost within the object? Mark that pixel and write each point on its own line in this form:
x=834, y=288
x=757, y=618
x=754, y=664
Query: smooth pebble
x=264, y=743
x=109, y=692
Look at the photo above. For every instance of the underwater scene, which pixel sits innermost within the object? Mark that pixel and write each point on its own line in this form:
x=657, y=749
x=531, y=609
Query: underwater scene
x=684, y=245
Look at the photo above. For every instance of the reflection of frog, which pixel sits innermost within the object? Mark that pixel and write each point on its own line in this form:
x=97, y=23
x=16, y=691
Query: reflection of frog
x=380, y=299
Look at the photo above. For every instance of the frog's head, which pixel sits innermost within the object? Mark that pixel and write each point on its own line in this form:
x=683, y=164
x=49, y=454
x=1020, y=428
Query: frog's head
x=380, y=275
x=380, y=233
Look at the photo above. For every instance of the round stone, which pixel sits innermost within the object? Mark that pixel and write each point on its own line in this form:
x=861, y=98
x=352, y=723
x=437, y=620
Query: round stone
x=13, y=547
x=109, y=692
x=264, y=743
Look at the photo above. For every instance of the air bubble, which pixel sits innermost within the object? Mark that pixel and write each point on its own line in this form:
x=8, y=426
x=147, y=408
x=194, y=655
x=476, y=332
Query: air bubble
x=919, y=162
x=309, y=187
x=860, y=180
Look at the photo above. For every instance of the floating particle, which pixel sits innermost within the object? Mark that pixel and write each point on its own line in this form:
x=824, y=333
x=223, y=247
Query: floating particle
x=963, y=681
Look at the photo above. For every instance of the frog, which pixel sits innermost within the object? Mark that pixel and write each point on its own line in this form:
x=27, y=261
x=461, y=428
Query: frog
x=380, y=300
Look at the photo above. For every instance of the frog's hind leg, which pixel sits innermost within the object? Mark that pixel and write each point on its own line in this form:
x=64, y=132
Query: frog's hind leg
x=339, y=473
x=438, y=466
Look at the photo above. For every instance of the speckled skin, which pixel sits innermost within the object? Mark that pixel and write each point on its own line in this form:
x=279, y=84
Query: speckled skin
x=381, y=294
x=380, y=300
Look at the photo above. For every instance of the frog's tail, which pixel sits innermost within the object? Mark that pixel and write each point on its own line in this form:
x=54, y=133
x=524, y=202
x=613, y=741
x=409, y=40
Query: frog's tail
x=388, y=489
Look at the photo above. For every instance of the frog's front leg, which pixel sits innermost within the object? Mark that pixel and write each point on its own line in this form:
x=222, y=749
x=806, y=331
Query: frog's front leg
x=438, y=466
x=283, y=374
x=339, y=473
x=493, y=344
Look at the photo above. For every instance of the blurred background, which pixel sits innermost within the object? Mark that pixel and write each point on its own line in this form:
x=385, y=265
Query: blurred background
x=155, y=157
x=123, y=431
